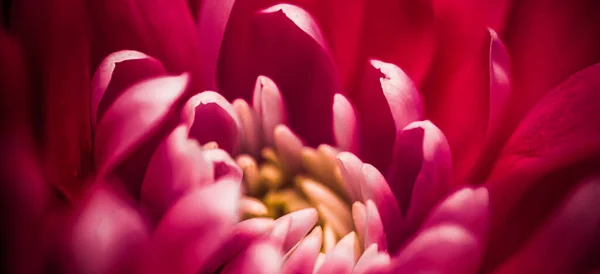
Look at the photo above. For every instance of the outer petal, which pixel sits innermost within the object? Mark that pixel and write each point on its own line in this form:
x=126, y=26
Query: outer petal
x=56, y=32
x=194, y=228
x=176, y=167
x=387, y=101
x=120, y=134
x=115, y=74
x=554, y=145
x=108, y=234
x=261, y=257
x=452, y=240
x=421, y=171
x=215, y=120
x=278, y=37
x=160, y=28
x=549, y=251
x=303, y=257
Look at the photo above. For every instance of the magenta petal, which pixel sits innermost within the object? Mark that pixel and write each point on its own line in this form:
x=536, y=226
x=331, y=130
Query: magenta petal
x=120, y=134
x=268, y=106
x=500, y=78
x=194, y=228
x=567, y=239
x=215, y=120
x=351, y=170
x=345, y=124
x=242, y=235
x=341, y=258
x=176, y=167
x=374, y=233
x=117, y=72
x=303, y=257
x=371, y=261
x=107, y=234
x=224, y=167
x=283, y=43
x=376, y=188
x=387, y=102
x=301, y=222
x=421, y=170
x=262, y=257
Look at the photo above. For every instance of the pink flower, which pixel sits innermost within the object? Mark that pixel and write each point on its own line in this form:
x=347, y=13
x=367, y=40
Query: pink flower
x=320, y=152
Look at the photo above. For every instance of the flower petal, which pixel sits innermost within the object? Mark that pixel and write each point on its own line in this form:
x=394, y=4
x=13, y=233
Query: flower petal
x=301, y=222
x=345, y=124
x=117, y=72
x=224, y=167
x=176, y=167
x=387, y=102
x=549, y=250
x=341, y=258
x=194, y=228
x=120, y=134
x=241, y=236
x=275, y=38
x=374, y=233
x=421, y=170
x=269, y=107
x=371, y=261
x=375, y=188
x=303, y=257
x=351, y=170
x=554, y=145
x=250, y=132
x=107, y=234
x=215, y=120
x=261, y=257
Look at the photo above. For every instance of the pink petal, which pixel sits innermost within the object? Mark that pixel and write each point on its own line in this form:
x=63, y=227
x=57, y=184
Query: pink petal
x=452, y=240
x=374, y=233
x=51, y=33
x=275, y=38
x=351, y=170
x=108, y=233
x=194, y=228
x=303, y=257
x=387, y=102
x=241, y=236
x=176, y=167
x=359, y=217
x=121, y=134
x=215, y=120
x=421, y=170
x=301, y=222
x=556, y=141
x=567, y=240
x=375, y=188
x=341, y=258
x=224, y=167
x=345, y=124
x=160, y=28
x=116, y=73
x=269, y=107
x=261, y=257
x=371, y=261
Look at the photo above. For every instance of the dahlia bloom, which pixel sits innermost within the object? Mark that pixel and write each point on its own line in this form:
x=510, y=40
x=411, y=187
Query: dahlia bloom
x=308, y=156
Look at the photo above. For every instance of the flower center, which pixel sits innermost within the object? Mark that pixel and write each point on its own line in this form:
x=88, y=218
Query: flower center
x=275, y=187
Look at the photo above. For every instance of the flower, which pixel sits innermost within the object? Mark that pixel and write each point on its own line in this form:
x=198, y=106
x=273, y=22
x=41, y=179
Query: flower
x=167, y=194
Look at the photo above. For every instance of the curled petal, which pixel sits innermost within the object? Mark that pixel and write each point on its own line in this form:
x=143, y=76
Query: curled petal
x=387, y=102
x=421, y=170
x=375, y=188
x=269, y=107
x=549, y=250
x=194, y=228
x=452, y=240
x=303, y=257
x=341, y=258
x=241, y=236
x=345, y=124
x=215, y=120
x=106, y=233
x=177, y=166
x=249, y=125
x=224, y=167
x=371, y=261
x=278, y=37
x=262, y=257
x=555, y=142
x=117, y=72
x=374, y=233
x=120, y=134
